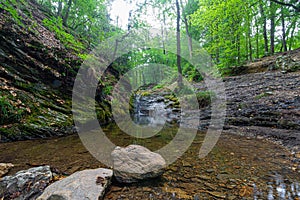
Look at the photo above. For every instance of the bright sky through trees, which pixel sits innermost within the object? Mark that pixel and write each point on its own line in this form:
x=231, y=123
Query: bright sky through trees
x=119, y=13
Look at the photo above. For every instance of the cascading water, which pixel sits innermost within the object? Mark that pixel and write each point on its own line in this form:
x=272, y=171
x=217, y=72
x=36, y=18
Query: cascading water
x=151, y=110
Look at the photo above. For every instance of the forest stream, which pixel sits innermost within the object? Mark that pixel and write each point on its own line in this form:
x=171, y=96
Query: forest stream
x=47, y=48
x=237, y=168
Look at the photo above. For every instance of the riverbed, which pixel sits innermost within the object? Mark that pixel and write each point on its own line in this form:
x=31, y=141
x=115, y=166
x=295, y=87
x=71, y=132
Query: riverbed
x=237, y=168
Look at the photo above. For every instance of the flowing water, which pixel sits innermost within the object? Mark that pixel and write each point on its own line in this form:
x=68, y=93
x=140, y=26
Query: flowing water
x=237, y=168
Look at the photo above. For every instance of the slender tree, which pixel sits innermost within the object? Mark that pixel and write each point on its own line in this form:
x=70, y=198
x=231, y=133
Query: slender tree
x=272, y=27
x=180, y=84
x=284, y=46
x=264, y=21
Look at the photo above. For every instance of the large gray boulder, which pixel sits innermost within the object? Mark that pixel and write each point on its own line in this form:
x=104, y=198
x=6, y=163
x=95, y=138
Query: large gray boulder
x=26, y=184
x=82, y=185
x=135, y=163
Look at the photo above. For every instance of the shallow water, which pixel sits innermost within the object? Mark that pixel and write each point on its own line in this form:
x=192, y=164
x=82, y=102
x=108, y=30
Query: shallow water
x=237, y=168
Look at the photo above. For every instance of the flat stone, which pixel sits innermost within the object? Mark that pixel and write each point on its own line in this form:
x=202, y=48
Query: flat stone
x=87, y=184
x=218, y=194
x=4, y=168
x=135, y=163
x=204, y=177
x=211, y=186
x=26, y=184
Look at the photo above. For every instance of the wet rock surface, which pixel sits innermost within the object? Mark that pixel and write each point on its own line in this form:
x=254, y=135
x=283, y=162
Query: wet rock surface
x=87, y=184
x=136, y=163
x=26, y=184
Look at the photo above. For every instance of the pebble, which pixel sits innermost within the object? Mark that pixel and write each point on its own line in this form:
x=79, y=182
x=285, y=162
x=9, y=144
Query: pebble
x=218, y=194
x=204, y=177
x=211, y=186
x=210, y=170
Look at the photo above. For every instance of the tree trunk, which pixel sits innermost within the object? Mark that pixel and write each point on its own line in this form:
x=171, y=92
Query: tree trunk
x=250, y=44
x=283, y=30
x=143, y=77
x=180, y=84
x=249, y=33
x=163, y=33
x=238, y=45
x=292, y=35
x=129, y=21
x=59, y=9
x=190, y=44
x=257, y=38
x=66, y=16
x=272, y=28
x=262, y=12
x=186, y=24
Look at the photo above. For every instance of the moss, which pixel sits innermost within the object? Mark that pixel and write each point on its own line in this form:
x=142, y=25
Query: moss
x=264, y=94
x=145, y=93
x=103, y=112
x=171, y=98
x=204, y=98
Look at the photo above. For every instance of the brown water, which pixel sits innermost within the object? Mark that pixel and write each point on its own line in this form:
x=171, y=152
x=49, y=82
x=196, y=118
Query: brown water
x=237, y=167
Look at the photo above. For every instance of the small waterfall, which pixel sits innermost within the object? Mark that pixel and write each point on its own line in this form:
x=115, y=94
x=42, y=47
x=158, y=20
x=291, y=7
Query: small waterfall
x=137, y=105
x=150, y=110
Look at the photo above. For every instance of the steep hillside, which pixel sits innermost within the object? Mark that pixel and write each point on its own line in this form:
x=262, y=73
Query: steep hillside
x=37, y=71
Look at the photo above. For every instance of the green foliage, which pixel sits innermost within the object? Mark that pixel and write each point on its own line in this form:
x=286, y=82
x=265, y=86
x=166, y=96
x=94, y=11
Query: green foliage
x=204, y=98
x=10, y=6
x=232, y=31
x=56, y=25
x=88, y=19
x=191, y=73
x=158, y=86
x=108, y=89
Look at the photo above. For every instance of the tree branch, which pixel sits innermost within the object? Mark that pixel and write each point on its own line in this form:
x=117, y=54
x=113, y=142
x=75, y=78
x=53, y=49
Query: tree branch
x=297, y=9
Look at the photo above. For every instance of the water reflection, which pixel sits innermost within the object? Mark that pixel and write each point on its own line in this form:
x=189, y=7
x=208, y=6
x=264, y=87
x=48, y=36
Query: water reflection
x=280, y=189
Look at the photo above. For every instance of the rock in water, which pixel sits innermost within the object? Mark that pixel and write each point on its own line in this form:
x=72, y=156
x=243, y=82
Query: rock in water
x=4, y=168
x=87, y=184
x=26, y=184
x=135, y=163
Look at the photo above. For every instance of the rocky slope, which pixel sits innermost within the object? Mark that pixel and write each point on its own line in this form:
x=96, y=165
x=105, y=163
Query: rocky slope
x=37, y=72
x=266, y=104
x=262, y=104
